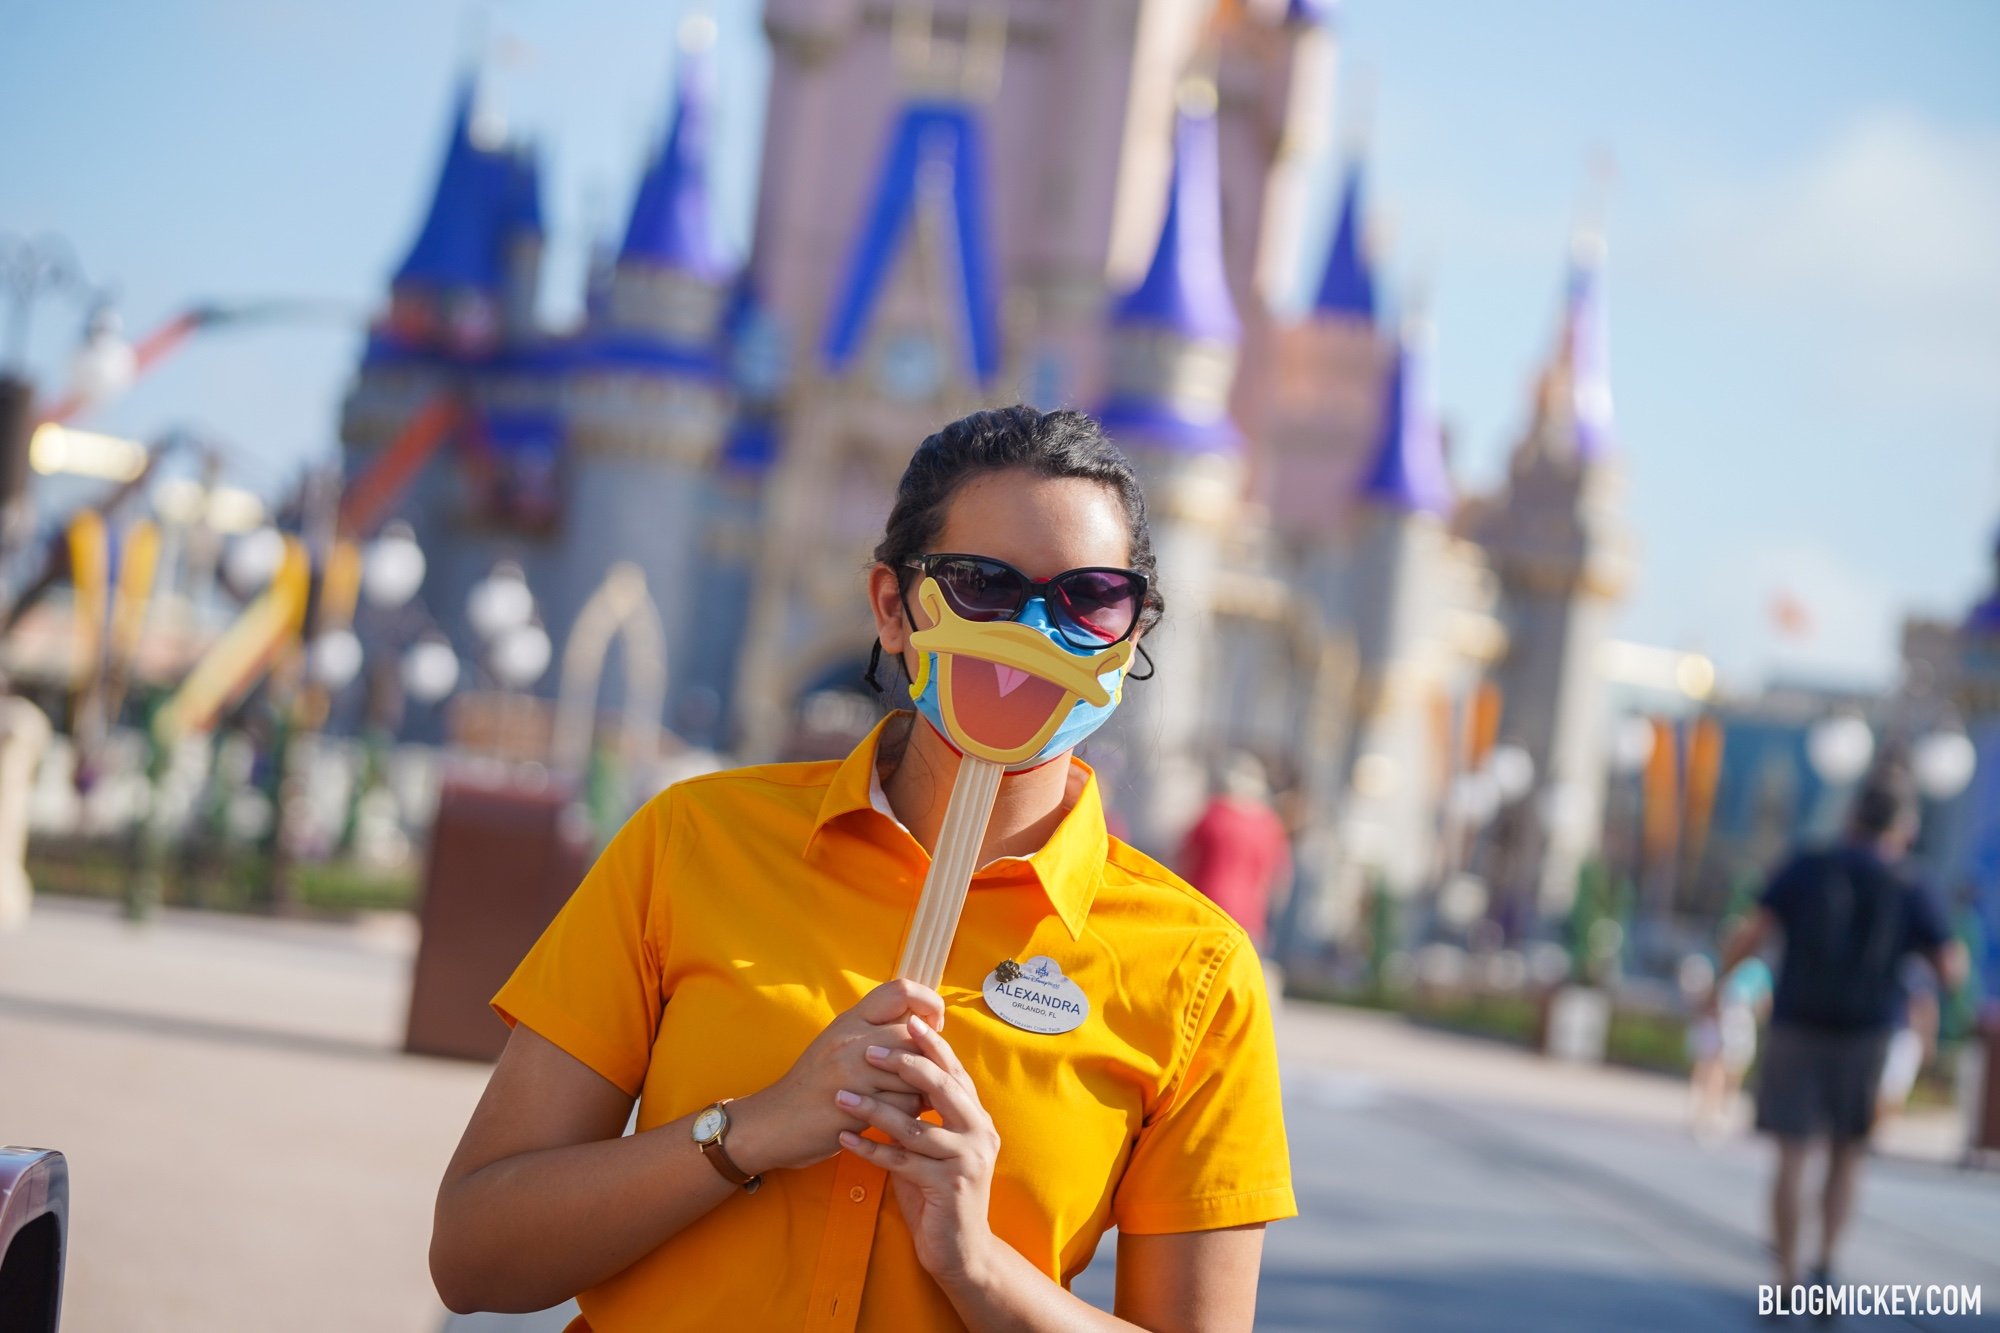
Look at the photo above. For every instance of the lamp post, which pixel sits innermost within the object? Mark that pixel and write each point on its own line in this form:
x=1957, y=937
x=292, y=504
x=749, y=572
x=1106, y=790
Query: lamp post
x=31, y=270
x=1943, y=763
x=514, y=649
x=1839, y=748
x=423, y=667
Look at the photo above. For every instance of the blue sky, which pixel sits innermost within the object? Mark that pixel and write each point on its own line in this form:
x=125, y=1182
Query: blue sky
x=1804, y=229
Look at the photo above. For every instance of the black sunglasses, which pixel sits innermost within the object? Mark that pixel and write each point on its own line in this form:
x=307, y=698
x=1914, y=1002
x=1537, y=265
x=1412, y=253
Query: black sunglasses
x=1092, y=608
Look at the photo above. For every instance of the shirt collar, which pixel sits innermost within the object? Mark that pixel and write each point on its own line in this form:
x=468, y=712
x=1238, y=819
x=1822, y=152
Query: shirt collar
x=1068, y=867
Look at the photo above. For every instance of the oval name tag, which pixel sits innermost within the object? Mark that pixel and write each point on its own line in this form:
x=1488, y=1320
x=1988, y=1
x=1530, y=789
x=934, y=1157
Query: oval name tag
x=1035, y=996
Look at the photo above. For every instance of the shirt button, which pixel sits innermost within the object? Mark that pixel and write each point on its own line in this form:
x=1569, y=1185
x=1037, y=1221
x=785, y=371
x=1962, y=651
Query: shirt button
x=857, y=1194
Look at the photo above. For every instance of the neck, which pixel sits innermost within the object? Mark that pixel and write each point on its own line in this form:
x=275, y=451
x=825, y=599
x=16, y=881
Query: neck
x=1028, y=809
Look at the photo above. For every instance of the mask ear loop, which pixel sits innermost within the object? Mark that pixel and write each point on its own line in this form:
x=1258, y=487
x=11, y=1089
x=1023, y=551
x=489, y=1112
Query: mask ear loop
x=868, y=677
x=1151, y=671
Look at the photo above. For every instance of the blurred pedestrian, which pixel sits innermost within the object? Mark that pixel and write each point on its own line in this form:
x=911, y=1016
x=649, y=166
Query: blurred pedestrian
x=1910, y=1044
x=1722, y=1045
x=1238, y=853
x=1847, y=919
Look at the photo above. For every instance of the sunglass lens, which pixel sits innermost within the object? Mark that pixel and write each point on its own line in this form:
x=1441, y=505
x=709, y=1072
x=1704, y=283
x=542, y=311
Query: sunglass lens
x=979, y=589
x=1095, y=606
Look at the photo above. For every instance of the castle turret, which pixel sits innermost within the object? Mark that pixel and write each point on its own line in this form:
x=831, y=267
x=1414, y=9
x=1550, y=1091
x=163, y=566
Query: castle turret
x=1273, y=62
x=446, y=295
x=522, y=237
x=1560, y=546
x=648, y=381
x=732, y=520
x=1346, y=289
x=648, y=402
x=1972, y=855
x=1326, y=388
x=449, y=308
x=1173, y=362
x=1386, y=584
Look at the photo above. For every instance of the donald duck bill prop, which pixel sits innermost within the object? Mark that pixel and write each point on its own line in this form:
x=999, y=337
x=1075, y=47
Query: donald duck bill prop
x=1008, y=694
x=1011, y=692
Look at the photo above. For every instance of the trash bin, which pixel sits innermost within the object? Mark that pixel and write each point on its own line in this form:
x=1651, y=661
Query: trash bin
x=34, y=1226
x=505, y=854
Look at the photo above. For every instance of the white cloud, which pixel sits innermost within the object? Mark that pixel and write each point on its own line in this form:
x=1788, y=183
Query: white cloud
x=1890, y=227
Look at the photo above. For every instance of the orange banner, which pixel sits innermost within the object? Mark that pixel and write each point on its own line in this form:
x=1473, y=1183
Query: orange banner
x=1704, y=773
x=1662, y=791
x=1482, y=725
x=90, y=576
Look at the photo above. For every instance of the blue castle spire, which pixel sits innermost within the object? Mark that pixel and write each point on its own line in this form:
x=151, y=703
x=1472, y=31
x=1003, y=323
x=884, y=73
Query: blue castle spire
x=1311, y=12
x=521, y=209
x=672, y=223
x=1174, y=336
x=1984, y=617
x=462, y=244
x=1585, y=348
x=1186, y=289
x=1408, y=469
x=1347, y=287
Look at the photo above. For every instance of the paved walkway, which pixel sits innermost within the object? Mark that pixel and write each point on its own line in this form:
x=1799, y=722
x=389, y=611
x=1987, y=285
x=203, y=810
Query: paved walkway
x=248, y=1150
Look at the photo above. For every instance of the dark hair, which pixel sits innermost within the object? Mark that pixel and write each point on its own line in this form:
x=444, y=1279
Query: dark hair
x=1049, y=444
x=1886, y=801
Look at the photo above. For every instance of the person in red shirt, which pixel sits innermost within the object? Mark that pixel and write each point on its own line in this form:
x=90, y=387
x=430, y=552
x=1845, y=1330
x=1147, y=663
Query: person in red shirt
x=1237, y=852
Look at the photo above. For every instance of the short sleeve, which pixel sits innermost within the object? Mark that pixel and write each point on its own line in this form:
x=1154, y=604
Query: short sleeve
x=1928, y=930
x=591, y=983
x=1213, y=1155
x=1780, y=896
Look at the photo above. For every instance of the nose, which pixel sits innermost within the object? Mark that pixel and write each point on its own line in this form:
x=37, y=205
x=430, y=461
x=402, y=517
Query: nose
x=1035, y=614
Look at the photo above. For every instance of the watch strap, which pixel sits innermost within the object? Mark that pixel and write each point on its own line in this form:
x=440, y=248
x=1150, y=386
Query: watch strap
x=719, y=1157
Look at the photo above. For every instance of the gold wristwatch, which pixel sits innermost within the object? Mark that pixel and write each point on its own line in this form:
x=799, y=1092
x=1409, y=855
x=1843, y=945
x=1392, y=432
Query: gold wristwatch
x=710, y=1128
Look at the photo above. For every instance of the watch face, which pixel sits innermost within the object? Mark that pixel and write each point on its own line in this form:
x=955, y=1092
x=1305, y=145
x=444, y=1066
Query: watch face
x=708, y=1125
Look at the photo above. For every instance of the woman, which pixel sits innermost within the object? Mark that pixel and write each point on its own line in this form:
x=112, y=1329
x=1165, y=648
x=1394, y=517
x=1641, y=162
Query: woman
x=721, y=963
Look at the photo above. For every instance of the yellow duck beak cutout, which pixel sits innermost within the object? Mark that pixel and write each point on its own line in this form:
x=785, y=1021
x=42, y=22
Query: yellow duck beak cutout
x=1004, y=687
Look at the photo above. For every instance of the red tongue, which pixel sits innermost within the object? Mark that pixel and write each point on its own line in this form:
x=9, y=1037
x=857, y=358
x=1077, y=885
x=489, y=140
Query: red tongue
x=1001, y=706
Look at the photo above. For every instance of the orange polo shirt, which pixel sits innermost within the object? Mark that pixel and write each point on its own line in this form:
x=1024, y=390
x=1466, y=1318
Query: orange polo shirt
x=738, y=913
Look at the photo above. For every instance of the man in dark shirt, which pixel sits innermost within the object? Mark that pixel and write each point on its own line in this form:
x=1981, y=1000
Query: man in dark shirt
x=1847, y=920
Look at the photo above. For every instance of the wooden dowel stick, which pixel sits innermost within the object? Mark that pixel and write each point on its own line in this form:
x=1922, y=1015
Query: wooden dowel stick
x=952, y=865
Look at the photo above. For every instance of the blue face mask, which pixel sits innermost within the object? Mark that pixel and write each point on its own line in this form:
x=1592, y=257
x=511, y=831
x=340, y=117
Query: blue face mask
x=1083, y=718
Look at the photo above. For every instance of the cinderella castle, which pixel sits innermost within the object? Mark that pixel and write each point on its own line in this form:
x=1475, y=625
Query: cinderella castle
x=967, y=203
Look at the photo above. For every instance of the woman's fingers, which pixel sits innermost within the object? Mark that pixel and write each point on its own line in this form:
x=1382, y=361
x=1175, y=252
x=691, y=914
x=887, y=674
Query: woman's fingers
x=885, y=1155
x=954, y=1099
x=888, y=1002
x=921, y=1138
x=933, y=1043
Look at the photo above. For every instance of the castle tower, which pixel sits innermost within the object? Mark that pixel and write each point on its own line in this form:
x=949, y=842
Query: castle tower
x=1975, y=845
x=522, y=237
x=647, y=399
x=1055, y=120
x=460, y=321
x=1394, y=582
x=1174, y=342
x=912, y=340
x=1274, y=79
x=448, y=298
x=732, y=522
x=1326, y=390
x=1561, y=549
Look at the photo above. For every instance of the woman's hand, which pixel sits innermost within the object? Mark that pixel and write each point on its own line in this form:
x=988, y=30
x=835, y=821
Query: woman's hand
x=796, y=1121
x=943, y=1173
